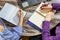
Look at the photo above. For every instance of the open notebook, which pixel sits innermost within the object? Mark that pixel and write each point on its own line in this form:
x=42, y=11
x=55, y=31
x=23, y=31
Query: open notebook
x=36, y=19
x=9, y=13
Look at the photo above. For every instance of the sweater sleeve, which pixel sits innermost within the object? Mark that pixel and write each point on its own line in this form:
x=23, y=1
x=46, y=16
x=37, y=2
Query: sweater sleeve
x=46, y=31
x=13, y=34
x=56, y=6
x=57, y=37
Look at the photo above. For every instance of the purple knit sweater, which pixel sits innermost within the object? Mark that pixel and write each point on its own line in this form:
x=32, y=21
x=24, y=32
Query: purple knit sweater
x=56, y=6
x=46, y=32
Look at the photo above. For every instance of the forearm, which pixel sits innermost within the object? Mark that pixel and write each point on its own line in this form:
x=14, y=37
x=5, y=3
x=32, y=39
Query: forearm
x=56, y=6
x=20, y=22
x=45, y=29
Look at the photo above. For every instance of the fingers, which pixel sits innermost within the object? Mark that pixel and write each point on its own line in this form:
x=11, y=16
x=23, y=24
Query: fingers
x=46, y=7
x=20, y=12
x=44, y=4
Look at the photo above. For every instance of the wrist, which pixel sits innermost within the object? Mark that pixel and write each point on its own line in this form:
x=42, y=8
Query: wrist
x=47, y=19
x=20, y=22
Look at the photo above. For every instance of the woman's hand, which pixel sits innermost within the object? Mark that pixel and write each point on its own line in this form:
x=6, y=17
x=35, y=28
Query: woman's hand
x=20, y=15
x=50, y=15
x=45, y=8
